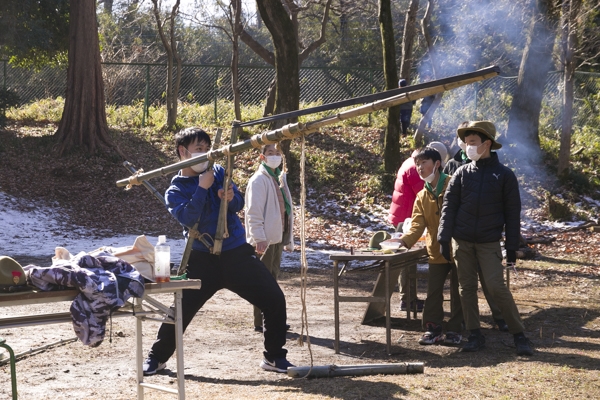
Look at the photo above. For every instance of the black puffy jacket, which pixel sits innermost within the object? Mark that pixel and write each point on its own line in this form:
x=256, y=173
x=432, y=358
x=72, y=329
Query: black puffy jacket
x=482, y=199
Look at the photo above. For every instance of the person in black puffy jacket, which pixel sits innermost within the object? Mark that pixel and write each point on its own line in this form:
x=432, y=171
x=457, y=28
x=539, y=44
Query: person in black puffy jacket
x=482, y=200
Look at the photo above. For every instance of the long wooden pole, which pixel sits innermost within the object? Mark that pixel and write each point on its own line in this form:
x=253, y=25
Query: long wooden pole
x=292, y=131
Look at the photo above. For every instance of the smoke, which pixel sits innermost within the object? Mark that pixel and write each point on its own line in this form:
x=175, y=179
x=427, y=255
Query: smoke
x=473, y=34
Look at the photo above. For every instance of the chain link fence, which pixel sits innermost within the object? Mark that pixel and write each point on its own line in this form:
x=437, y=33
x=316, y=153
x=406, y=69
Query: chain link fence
x=127, y=84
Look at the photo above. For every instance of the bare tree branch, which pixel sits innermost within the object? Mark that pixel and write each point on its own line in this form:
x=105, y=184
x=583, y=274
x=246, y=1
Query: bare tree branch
x=314, y=45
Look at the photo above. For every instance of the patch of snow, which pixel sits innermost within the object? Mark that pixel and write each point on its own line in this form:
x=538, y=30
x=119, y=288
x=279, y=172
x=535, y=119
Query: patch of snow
x=35, y=231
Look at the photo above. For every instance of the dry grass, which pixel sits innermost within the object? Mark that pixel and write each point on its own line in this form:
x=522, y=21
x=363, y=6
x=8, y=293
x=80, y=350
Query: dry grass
x=560, y=309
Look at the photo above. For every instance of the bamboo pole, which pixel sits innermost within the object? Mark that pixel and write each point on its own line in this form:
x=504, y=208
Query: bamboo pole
x=131, y=168
x=294, y=130
x=330, y=371
x=221, y=232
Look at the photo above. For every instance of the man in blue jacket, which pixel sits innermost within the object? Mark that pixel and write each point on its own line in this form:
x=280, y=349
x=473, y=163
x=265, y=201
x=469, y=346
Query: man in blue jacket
x=481, y=200
x=194, y=196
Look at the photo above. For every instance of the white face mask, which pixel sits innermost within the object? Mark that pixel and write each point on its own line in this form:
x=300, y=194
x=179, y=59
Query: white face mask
x=273, y=161
x=199, y=167
x=431, y=177
x=472, y=152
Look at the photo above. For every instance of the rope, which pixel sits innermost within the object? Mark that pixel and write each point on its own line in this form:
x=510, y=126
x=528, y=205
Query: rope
x=285, y=130
x=211, y=156
x=303, y=263
x=133, y=179
x=265, y=252
x=195, y=234
x=227, y=152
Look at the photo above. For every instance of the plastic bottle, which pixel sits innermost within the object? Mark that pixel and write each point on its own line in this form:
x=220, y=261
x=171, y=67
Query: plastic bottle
x=162, y=260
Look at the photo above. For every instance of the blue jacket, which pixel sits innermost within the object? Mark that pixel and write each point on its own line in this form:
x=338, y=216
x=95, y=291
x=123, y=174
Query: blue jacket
x=189, y=203
x=481, y=200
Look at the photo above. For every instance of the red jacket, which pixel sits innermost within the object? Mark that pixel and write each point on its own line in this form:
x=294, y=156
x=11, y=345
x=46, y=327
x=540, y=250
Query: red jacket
x=408, y=184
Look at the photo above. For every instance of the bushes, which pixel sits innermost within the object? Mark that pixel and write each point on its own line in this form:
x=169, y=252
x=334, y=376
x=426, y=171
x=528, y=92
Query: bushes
x=8, y=99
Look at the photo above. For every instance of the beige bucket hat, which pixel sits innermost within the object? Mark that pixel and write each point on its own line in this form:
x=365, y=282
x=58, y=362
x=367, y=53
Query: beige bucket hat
x=485, y=127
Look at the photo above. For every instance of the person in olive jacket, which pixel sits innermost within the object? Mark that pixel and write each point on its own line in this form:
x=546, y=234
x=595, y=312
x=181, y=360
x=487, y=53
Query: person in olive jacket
x=483, y=199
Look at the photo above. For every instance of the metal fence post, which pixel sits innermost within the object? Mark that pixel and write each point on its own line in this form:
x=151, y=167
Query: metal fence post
x=476, y=89
x=145, y=112
x=216, y=90
x=371, y=82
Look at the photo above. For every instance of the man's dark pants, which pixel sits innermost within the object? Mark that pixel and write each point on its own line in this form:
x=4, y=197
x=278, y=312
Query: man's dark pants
x=241, y=272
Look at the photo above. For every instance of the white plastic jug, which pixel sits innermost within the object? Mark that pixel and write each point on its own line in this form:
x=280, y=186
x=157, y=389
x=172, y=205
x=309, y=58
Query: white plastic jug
x=162, y=260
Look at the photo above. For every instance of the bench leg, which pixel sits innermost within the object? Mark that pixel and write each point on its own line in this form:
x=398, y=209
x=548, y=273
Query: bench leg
x=13, y=368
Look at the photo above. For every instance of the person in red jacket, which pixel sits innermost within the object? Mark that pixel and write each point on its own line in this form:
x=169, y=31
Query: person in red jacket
x=408, y=184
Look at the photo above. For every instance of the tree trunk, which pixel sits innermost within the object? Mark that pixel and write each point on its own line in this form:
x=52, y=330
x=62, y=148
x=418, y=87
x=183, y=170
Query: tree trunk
x=408, y=40
x=173, y=60
x=83, y=123
x=569, y=42
x=235, y=83
x=108, y=6
x=287, y=66
x=524, y=115
x=391, y=152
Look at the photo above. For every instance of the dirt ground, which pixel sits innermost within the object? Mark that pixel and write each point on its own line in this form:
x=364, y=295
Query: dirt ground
x=558, y=300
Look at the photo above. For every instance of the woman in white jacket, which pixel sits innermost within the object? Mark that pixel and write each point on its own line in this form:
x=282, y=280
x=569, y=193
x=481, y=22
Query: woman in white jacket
x=269, y=215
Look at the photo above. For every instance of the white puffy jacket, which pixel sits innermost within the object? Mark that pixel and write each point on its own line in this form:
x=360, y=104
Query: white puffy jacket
x=262, y=213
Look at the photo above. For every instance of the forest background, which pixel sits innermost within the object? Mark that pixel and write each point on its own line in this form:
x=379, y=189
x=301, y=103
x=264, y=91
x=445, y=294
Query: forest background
x=62, y=147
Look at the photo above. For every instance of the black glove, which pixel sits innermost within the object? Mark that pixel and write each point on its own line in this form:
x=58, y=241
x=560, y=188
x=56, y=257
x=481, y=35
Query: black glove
x=511, y=256
x=445, y=250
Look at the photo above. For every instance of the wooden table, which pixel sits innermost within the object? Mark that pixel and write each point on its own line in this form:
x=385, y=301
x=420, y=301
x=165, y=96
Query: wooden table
x=388, y=266
x=144, y=308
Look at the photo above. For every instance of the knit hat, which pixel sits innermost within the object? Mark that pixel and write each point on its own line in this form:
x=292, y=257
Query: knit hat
x=12, y=275
x=441, y=148
x=485, y=127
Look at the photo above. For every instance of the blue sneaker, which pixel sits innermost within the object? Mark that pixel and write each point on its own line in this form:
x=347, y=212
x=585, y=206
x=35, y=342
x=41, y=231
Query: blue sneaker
x=152, y=366
x=277, y=365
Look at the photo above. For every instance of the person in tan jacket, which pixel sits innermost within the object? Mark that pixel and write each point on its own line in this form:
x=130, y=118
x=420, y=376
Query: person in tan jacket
x=426, y=215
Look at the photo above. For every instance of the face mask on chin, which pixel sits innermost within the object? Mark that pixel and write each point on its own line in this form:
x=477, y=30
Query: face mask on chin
x=431, y=177
x=472, y=152
x=199, y=167
x=273, y=161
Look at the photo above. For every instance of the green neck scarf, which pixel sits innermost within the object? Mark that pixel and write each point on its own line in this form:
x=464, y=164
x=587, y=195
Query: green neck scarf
x=464, y=157
x=440, y=185
x=276, y=174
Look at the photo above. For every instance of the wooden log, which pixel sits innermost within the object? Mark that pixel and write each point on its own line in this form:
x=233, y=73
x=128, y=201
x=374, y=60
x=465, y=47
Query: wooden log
x=330, y=371
x=295, y=130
